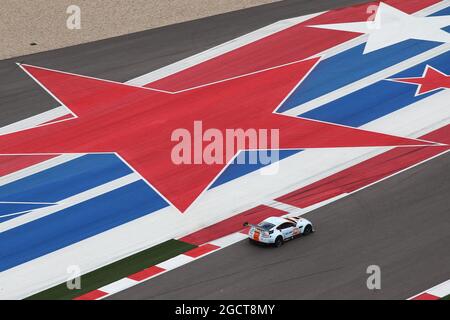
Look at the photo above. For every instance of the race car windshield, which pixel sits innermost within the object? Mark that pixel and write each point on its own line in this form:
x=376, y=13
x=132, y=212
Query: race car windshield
x=266, y=225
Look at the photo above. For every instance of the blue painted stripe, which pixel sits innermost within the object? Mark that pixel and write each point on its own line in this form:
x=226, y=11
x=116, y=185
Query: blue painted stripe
x=378, y=99
x=66, y=179
x=352, y=65
x=76, y=223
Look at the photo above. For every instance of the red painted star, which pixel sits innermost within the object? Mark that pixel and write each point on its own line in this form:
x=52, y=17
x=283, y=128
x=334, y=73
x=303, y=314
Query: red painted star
x=431, y=80
x=136, y=123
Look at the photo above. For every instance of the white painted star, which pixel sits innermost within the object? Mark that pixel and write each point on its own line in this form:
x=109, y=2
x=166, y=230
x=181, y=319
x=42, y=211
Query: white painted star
x=392, y=26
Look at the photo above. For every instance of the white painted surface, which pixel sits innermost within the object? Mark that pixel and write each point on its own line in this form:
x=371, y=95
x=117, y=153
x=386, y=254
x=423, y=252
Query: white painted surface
x=175, y=262
x=392, y=26
x=118, y=285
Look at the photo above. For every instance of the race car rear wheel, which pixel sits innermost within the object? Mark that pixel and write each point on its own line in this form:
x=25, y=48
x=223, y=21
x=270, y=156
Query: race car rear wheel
x=278, y=241
x=308, y=230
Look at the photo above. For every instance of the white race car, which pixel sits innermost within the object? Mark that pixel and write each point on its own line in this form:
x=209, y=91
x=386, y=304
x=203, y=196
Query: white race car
x=276, y=230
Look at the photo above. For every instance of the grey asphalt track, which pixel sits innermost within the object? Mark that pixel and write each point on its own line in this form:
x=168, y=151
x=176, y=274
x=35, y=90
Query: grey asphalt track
x=401, y=224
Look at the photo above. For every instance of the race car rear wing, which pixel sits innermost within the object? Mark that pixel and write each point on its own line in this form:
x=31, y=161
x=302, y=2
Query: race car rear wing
x=246, y=224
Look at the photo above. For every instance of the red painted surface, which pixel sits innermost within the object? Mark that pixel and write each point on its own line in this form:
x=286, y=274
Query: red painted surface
x=93, y=295
x=367, y=172
x=431, y=80
x=293, y=44
x=146, y=273
x=425, y=296
x=231, y=225
x=138, y=124
x=10, y=164
x=200, y=251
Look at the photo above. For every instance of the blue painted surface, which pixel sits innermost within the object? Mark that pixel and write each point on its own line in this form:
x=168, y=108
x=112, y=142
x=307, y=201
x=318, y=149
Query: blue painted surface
x=76, y=223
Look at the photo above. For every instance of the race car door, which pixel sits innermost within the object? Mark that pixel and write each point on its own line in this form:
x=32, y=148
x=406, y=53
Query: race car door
x=287, y=229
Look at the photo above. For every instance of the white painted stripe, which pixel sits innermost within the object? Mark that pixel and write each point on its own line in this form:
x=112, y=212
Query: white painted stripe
x=175, y=262
x=14, y=214
x=229, y=240
x=441, y=290
x=367, y=81
x=39, y=167
x=118, y=285
x=24, y=211
x=35, y=120
x=434, y=8
x=25, y=202
x=69, y=202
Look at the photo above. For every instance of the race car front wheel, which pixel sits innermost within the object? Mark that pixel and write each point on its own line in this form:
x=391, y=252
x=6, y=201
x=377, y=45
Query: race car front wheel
x=308, y=230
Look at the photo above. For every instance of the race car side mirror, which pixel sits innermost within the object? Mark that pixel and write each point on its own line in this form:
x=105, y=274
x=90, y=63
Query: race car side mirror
x=245, y=224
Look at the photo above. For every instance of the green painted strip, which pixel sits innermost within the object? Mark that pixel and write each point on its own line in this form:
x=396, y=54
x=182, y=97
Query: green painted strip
x=117, y=270
x=446, y=297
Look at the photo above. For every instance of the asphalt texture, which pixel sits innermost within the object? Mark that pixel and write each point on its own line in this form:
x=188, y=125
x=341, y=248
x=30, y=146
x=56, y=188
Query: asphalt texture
x=401, y=224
